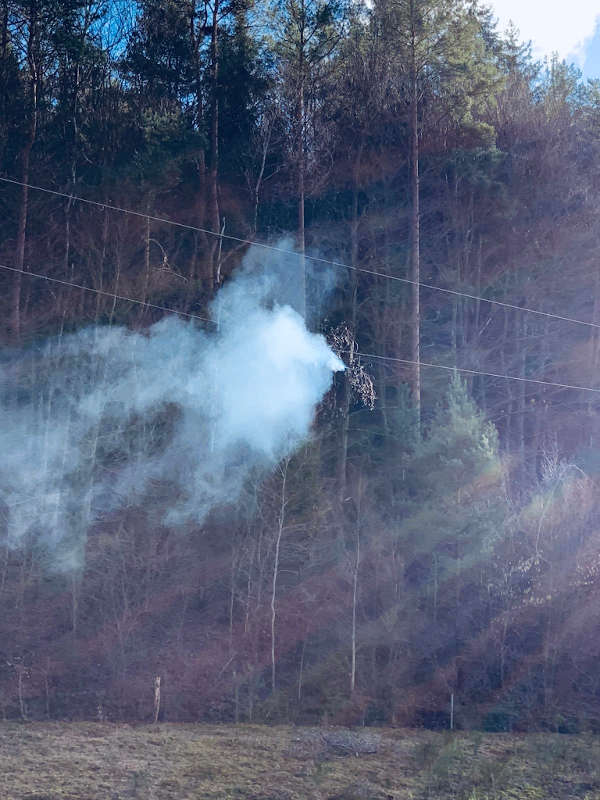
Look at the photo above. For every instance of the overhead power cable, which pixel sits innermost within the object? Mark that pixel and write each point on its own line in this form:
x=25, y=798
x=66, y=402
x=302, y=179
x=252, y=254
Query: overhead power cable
x=316, y=259
x=357, y=354
x=476, y=372
x=105, y=293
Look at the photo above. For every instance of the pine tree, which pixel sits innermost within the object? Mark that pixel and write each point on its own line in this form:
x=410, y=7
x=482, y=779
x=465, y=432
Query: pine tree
x=449, y=521
x=438, y=52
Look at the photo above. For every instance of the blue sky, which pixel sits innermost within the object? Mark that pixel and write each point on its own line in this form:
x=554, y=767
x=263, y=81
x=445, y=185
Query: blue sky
x=591, y=64
x=572, y=29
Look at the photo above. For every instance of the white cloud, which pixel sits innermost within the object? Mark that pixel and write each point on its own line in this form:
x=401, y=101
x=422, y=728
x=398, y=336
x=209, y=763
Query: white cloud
x=551, y=25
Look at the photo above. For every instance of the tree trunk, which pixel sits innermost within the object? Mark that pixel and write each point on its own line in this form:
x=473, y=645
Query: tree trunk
x=594, y=345
x=359, y=494
x=213, y=179
x=100, y=272
x=301, y=670
x=280, y=527
x=522, y=395
x=156, y=699
x=22, y=707
x=345, y=404
x=146, y=279
x=354, y=602
x=4, y=94
x=32, y=42
x=415, y=244
x=196, y=34
x=261, y=173
x=300, y=238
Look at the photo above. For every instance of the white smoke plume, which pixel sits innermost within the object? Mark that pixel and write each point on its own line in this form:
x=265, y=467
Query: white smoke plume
x=108, y=418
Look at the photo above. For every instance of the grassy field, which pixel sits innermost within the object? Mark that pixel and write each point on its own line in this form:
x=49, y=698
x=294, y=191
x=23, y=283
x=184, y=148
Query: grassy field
x=97, y=761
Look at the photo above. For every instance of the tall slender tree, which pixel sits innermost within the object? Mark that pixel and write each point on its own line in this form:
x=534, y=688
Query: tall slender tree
x=439, y=51
x=306, y=35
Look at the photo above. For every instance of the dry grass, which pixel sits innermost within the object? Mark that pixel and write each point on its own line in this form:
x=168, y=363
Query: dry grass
x=96, y=761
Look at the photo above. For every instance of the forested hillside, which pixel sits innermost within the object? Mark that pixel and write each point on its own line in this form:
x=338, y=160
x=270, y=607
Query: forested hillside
x=429, y=197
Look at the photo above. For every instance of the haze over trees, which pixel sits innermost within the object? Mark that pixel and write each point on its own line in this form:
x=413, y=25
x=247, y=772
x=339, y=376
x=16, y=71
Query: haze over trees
x=437, y=534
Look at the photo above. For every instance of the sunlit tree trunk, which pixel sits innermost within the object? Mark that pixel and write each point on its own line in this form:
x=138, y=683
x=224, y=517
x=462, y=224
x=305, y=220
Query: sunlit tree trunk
x=280, y=529
x=415, y=234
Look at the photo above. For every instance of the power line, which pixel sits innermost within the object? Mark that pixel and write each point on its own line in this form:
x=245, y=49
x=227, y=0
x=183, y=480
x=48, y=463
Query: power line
x=312, y=258
x=477, y=372
x=363, y=355
x=317, y=259
x=106, y=294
